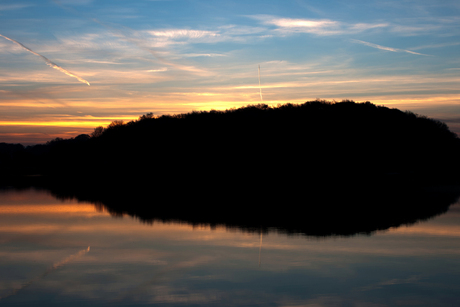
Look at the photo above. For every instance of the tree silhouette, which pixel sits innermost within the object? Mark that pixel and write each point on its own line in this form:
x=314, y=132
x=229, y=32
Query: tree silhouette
x=97, y=132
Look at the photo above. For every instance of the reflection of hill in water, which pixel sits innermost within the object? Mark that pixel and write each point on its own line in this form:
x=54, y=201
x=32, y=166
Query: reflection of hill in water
x=314, y=210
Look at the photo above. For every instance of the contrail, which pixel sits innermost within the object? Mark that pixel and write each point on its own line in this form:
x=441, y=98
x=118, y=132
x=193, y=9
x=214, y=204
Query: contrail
x=49, y=270
x=386, y=48
x=48, y=62
x=260, y=87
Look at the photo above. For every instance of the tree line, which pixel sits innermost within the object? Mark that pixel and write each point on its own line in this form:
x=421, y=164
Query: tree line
x=316, y=140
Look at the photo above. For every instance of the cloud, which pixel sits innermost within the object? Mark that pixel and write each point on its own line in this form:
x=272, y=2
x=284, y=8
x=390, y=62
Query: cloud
x=239, y=30
x=164, y=38
x=183, y=33
x=415, y=29
x=75, y=2
x=436, y=46
x=315, y=26
x=442, y=25
x=158, y=70
x=359, y=27
x=228, y=33
x=8, y=7
x=404, y=27
x=386, y=48
x=195, y=55
x=318, y=26
x=133, y=37
x=322, y=27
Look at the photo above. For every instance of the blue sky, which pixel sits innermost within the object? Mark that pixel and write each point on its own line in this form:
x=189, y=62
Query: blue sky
x=174, y=56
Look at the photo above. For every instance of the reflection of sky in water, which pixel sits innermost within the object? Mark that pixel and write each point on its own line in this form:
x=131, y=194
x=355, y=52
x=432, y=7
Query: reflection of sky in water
x=43, y=262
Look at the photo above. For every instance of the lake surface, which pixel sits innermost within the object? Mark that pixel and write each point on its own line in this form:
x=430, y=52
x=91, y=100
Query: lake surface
x=56, y=253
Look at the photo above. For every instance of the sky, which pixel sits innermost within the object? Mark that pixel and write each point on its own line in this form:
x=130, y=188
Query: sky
x=68, y=66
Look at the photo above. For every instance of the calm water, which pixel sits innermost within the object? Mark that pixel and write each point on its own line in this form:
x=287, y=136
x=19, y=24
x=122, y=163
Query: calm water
x=56, y=253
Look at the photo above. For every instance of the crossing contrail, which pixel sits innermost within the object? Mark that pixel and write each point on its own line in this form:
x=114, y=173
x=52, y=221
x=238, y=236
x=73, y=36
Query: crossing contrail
x=48, y=62
x=49, y=270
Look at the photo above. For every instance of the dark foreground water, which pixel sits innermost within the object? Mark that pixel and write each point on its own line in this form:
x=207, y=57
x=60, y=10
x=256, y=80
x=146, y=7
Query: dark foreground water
x=65, y=253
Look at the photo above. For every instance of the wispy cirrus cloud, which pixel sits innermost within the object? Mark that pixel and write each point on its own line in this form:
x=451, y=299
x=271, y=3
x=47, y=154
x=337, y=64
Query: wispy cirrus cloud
x=9, y=7
x=411, y=30
x=164, y=38
x=436, y=46
x=315, y=26
x=325, y=26
x=386, y=48
x=158, y=70
x=319, y=26
x=134, y=37
x=441, y=25
x=228, y=33
x=75, y=2
x=196, y=55
x=183, y=33
x=241, y=30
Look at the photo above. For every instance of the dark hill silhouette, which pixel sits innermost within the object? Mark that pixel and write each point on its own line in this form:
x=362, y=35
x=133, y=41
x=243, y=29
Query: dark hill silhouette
x=317, y=139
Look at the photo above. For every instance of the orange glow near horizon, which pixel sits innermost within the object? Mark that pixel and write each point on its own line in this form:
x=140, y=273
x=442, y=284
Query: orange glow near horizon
x=69, y=124
x=84, y=121
x=72, y=209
